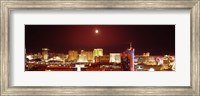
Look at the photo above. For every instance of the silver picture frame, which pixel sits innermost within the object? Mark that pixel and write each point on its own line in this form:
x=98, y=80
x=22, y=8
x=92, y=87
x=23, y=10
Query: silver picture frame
x=6, y=6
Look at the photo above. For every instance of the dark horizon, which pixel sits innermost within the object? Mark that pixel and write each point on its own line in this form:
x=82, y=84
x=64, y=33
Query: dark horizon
x=156, y=39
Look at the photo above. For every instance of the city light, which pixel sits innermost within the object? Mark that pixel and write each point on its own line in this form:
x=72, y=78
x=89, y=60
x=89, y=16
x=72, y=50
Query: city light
x=30, y=57
x=96, y=60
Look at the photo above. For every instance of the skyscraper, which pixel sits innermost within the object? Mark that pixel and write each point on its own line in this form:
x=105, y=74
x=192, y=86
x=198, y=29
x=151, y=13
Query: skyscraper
x=82, y=58
x=130, y=53
x=72, y=55
x=97, y=52
x=45, y=54
x=89, y=55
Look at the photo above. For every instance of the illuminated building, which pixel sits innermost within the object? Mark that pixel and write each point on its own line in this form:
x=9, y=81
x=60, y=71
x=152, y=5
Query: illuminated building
x=166, y=59
x=29, y=57
x=125, y=62
x=97, y=53
x=72, y=55
x=129, y=53
x=115, y=58
x=56, y=59
x=152, y=60
x=82, y=58
x=60, y=57
x=104, y=59
x=89, y=55
x=97, y=59
x=45, y=54
x=159, y=60
x=66, y=56
x=146, y=54
x=39, y=55
x=144, y=58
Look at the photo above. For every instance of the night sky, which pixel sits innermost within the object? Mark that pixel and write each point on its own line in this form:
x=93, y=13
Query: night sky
x=156, y=39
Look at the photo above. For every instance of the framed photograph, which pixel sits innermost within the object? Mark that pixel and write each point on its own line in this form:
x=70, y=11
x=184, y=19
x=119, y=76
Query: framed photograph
x=83, y=47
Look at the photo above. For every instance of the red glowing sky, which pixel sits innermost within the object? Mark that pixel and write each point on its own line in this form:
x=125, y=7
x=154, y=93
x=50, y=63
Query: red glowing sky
x=157, y=39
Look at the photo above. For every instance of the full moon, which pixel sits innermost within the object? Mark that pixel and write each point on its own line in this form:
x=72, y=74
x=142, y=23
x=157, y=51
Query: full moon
x=96, y=31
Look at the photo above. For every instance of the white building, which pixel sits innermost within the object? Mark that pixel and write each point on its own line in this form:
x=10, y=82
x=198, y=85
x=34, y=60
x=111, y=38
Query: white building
x=115, y=58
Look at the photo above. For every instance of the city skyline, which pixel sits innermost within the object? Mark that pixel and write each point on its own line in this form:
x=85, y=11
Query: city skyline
x=156, y=39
